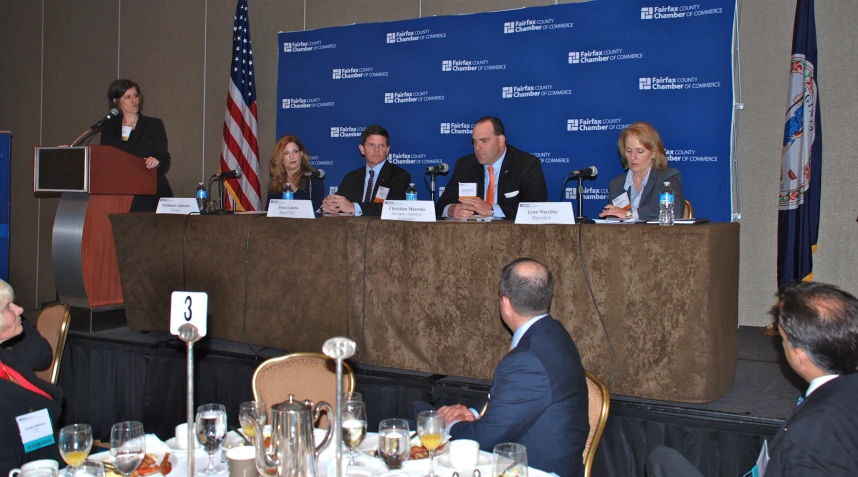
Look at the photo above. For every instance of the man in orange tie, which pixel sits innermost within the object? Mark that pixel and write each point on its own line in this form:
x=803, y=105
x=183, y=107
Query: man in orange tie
x=498, y=174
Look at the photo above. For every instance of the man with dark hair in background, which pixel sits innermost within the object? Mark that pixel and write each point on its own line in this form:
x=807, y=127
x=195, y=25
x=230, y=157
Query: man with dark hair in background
x=539, y=393
x=503, y=175
x=819, y=327
x=364, y=190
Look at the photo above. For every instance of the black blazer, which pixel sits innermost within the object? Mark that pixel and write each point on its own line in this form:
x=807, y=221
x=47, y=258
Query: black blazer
x=29, y=351
x=148, y=139
x=521, y=180
x=821, y=437
x=391, y=176
x=538, y=399
x=648, y=208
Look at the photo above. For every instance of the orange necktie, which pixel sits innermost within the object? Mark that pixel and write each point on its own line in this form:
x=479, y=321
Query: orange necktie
x=490, y=190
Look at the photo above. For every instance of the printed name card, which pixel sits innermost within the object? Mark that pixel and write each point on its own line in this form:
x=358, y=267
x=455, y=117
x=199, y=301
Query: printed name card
x=545, y=213
x=177, y=205
x=294, y=209
x=409, y=210
x=467, y=189
x=35, y=429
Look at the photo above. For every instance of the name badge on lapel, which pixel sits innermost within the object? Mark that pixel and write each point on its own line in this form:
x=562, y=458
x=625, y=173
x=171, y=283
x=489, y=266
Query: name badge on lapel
x=35, y=429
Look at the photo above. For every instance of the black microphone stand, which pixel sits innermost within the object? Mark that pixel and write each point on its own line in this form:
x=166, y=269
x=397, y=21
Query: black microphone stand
x=220, y=210
x=432, y=175
x=581, y=219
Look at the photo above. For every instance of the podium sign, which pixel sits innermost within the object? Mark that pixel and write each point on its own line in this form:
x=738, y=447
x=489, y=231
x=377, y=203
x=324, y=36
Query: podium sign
x=61, y=169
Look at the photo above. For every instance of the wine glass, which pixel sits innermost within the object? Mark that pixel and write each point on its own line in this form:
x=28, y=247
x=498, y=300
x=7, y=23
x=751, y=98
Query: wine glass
x=89, y=469
x=509, y=460
x=252, y=410
x=431, y=428
x=211, y=432
x=127, y=446
x=354, y=427
x=394, y=443
x=75, y=442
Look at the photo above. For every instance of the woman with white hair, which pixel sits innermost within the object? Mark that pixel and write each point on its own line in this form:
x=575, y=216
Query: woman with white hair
x=22, y=351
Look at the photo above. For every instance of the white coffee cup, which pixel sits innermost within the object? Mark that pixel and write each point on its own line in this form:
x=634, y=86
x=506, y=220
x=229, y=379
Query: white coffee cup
x=242, y=461
x=464, y=453
x=182, y=437
x=37, y=468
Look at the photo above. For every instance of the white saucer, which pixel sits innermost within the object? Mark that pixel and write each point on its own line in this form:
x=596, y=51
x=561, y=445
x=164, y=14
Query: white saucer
x=482, y=460
x=171, y=443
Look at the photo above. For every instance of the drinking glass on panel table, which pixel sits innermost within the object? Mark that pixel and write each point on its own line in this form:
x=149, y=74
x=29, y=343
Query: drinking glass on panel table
x=394, y=442
x=211, y=432
x=252, y=410
x=127, y=446
x=354, y=427
x=509, y=460
x=75, y=442
x=431, y=428
x=89, y=469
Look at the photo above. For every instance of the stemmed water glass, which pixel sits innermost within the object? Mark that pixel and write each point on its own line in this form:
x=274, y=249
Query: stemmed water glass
x=127, y=446
x=252, y=410
x=75, y=442
x=509, y=459
x=354, y=427
x=211, y=432
x=394, y=442
x=431, y=428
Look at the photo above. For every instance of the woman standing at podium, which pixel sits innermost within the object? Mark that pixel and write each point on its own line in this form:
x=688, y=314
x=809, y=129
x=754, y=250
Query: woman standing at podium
x=143, y=136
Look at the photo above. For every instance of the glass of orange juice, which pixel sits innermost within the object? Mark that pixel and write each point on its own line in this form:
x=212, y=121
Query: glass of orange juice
x=252, y=409
x=431, y=428
x=75, y=444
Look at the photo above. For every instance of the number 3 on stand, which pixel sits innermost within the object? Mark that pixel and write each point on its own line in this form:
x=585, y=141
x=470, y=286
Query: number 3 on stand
x=188, y=307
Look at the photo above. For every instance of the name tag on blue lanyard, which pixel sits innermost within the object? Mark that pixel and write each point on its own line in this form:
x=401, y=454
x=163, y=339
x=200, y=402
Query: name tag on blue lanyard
x=36, y=430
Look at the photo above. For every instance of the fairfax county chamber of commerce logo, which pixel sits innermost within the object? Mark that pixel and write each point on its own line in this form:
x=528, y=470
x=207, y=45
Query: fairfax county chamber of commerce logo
x=547, y=158
x=667, y=82
x=406, y=158
x=541, y=24
x=457, y=128
x=346, y=131
x=469, y=65
x=417, y=35
x=593, y=124
x=688, y=155
x=410, y=97
x=316, y=161
x=355, y=73
x=333, y=190
x=303, y=46
x=682, y=11
x=598, y=56
x=532, y=91
x=302, y=103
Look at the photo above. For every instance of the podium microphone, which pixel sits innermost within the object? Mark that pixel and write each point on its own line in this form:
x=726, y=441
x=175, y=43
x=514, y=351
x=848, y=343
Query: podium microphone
x=112, y=114
x=317, y=174
x=589, y=172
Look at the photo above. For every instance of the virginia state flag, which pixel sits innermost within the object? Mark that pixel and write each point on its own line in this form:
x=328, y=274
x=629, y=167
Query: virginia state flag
x=801, y=160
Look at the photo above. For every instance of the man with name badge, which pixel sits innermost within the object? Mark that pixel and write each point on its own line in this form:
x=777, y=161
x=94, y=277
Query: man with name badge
x=364, y=190
x=494, y=179
x=819, y=327
x=539, y=391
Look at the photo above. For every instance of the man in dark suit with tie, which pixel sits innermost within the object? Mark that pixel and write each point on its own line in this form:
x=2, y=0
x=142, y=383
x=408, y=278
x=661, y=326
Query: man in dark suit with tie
x=539, y=393
x=504, y=176
x=819, y=327
x=364, y=190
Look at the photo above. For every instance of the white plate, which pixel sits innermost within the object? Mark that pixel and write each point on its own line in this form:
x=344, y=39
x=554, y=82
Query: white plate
x=481, y=461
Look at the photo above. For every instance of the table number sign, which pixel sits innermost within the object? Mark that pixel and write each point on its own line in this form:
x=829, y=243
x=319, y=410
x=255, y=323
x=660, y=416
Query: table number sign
x=188, y=307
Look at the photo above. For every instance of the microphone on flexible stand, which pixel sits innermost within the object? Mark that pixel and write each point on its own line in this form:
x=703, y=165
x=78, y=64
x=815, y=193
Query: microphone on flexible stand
x=588, y=173
x=235, y=173
x=581, y=174
x=317, y=174
x=433, y=171
x=112, y=114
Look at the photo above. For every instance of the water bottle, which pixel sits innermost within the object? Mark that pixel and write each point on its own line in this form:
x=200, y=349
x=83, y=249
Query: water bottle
x=665, y=205
x=411, y=192
x=287, y=192
x=202, y=196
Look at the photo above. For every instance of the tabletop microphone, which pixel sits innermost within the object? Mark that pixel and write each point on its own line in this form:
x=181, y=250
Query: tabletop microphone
x=229, y=174
x=112, y=114
x=317, y=174
x=585, y=173
x=439, y=169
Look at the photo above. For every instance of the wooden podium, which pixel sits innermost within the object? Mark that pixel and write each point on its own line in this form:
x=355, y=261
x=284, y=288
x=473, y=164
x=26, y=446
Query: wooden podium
x=94, y=181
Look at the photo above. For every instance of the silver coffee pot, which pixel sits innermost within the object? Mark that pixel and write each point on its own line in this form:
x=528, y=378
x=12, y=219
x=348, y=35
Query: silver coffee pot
x=292, y=451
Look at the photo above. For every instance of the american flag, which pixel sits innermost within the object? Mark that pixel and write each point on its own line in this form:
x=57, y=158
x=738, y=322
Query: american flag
x=239, y=148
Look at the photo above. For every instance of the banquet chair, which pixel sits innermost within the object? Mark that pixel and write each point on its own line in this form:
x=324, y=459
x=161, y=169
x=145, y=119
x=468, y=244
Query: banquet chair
x=689, y=210
x=305, y=375
x=53, y=324
x=599, y=405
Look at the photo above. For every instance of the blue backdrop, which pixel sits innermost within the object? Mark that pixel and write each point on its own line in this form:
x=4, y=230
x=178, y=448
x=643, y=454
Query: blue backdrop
x=5, y=174
x=564, y=79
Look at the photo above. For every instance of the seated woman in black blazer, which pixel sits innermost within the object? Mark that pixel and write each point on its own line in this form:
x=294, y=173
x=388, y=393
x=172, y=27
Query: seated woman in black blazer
x=644, y=159
x=22, y=351
x=289, y=165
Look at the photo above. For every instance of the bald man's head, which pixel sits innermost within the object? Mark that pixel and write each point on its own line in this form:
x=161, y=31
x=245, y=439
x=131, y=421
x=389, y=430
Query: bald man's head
x=528, y=285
